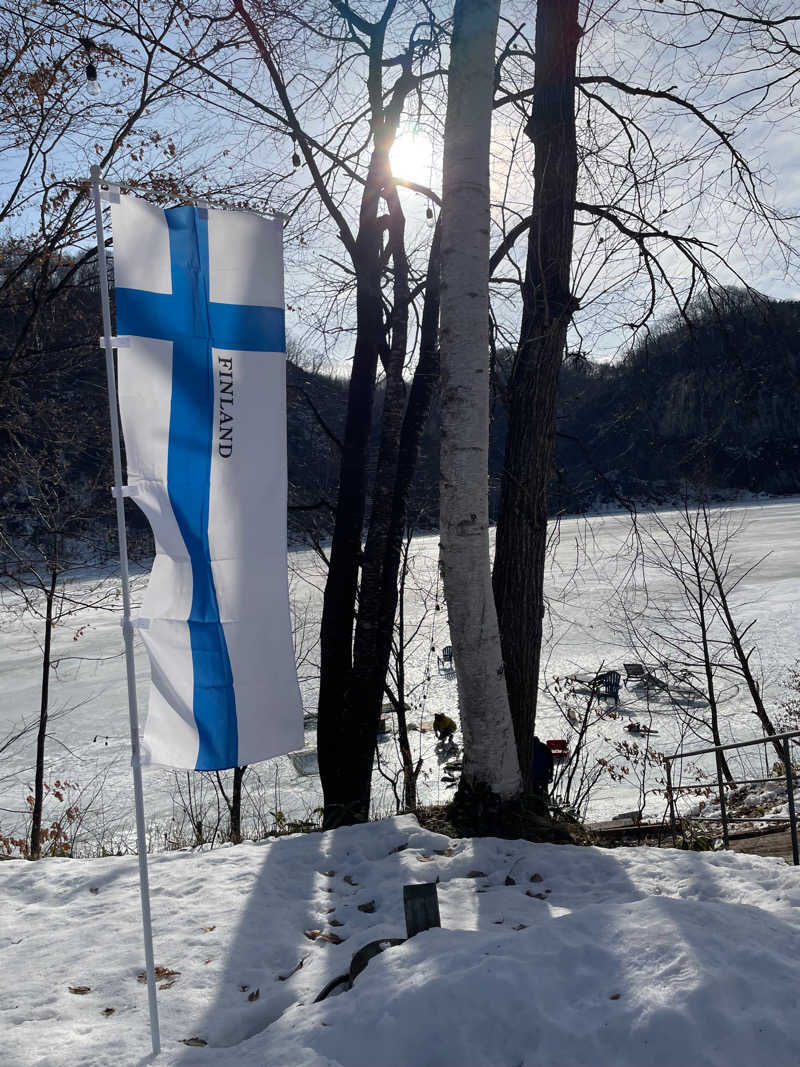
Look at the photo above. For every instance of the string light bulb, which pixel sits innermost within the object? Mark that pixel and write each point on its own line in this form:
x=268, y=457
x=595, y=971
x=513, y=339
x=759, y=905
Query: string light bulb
x=429, y=220
x=92, y=84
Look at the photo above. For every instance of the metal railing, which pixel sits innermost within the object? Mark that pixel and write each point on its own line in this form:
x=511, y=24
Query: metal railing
x=725, y=819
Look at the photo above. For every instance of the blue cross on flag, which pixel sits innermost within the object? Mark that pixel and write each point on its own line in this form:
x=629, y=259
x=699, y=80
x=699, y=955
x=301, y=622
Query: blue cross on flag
x=202, y=396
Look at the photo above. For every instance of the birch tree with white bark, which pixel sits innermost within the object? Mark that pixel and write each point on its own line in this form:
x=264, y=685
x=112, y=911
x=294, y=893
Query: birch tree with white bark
x=490, y=762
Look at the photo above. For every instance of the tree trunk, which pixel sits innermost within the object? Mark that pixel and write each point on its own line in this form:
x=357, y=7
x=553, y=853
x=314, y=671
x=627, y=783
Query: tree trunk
x=350, y=696
x=701, y=596
x=742, y=655
x=401, y=440
x=410, y=771
x=709, y=672
x=341, y=730
x=38, y=788
x=236, y=804
x=548, y=306
x=373, y=631
x=490, y=762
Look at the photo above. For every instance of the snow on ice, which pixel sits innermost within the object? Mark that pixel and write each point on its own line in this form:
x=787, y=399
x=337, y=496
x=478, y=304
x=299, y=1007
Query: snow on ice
x=592, y=559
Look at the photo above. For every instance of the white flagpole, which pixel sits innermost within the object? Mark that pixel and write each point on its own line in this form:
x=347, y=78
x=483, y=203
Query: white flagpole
x=127, y=629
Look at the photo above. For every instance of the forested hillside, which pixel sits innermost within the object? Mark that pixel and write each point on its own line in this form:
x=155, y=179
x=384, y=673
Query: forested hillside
x=711, y=401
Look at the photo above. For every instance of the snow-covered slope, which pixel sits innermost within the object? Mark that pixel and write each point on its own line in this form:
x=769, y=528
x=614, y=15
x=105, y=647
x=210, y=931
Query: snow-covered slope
x=548, y=955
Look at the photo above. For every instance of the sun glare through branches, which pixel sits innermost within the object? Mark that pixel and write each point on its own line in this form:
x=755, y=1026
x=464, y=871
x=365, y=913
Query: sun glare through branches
x=415, y=158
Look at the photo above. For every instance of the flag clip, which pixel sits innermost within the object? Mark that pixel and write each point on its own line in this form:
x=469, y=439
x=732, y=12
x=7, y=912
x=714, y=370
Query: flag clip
x=116, y=342
x=121, y=491
x=109, y=192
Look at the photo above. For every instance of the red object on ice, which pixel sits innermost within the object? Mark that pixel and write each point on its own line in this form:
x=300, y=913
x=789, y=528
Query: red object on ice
x=559, y=747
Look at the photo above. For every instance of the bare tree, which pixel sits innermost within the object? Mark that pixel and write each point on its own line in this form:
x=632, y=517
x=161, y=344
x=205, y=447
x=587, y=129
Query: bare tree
x=681, y=630
x=548, y=305
x=402, y=691
x=277, y=75
x=49, y=128
x=46, y=539
x=642, y=198
x=692, y=628
x=356, y=644
x=490, y=763
x=716, y=553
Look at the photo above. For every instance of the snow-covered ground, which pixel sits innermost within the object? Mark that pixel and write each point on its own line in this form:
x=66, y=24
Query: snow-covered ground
x=548, y=956
x=589, y=573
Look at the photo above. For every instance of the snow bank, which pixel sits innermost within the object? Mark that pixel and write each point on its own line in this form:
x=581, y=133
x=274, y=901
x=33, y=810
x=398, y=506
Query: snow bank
x=547, y=955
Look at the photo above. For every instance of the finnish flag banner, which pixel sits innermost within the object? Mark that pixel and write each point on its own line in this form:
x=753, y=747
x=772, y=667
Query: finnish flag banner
x=202, y=394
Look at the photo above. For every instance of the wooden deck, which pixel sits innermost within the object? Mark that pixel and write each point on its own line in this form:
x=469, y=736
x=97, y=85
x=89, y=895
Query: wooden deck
x=764, y=843
x=758, y=843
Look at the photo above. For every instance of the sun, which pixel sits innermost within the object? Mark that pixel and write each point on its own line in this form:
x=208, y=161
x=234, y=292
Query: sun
x=412, y=156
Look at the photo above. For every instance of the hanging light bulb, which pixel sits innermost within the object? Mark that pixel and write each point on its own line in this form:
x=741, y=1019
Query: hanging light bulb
x=92, y=85
x=429, y=220
x=295, y=159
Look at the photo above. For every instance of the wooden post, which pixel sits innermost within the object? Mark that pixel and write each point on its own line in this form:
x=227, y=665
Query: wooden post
x=422, y=907
x=671, y=798
x=787, y=764
x=723, y=807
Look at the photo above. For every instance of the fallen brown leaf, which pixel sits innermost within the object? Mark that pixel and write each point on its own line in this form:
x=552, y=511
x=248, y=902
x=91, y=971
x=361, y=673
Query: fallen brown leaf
x=349, y=879
x=108, y=1011
x=333, y=938
x=162, y=973
x=476, y=874
x=80, y=990
x=194, y=1041
x=368, y=907
x=254, y=995
x=335, y=922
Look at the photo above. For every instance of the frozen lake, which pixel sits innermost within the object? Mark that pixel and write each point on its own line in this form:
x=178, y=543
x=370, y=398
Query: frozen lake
x=596, y=586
